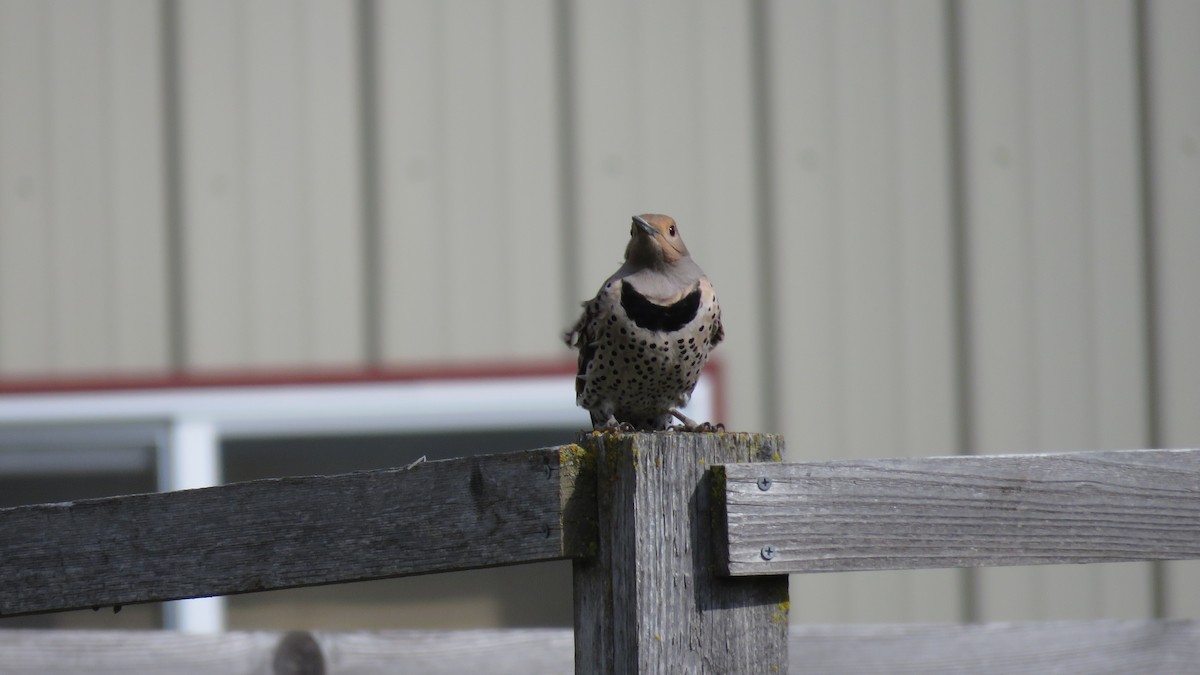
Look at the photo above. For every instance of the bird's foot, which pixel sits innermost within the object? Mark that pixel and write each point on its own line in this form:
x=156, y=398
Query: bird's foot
x=612, y=426
x=689, y=424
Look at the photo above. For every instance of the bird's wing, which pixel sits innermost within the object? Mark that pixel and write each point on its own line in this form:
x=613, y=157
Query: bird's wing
x=581, y=336
x=573, y=336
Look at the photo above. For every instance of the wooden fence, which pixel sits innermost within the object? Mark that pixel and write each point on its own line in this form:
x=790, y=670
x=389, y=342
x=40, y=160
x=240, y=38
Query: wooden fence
x=681, y=545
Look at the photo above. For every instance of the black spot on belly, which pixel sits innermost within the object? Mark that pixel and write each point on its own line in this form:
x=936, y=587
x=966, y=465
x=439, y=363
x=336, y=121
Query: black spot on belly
x=659, y=318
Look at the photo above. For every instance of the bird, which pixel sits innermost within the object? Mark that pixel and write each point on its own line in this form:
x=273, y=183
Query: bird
x=645, y=337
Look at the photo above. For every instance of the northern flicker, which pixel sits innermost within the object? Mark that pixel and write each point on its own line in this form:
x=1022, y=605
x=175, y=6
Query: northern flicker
x=645, y=337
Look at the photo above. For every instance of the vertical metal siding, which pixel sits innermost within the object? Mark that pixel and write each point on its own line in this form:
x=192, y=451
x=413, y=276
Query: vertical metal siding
x=137, y=180
x=271, y=210
x=863, y=256
x=81, y=286
x=1042, y=306
x=724, y=216
x=1174, y=123
x=26, y=301
x=469, y=206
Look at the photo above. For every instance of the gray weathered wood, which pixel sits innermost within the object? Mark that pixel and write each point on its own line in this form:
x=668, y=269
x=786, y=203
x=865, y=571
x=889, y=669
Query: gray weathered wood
x=962, y=511
x=1094, y=647
x=435, y=516
x=649, y=601
x=88, y=652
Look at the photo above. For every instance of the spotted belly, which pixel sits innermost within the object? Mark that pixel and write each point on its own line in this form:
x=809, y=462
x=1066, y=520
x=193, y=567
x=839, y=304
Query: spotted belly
x=639, y=375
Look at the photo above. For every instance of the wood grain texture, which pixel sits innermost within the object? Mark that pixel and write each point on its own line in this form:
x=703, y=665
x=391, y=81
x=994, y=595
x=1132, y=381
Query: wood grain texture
x=1094, y=647
x=52, y=652
x=260, y=535
x=963, y=511
x=649, y=601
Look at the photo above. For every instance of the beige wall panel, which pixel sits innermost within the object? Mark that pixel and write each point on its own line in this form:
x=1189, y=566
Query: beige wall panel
x=1113, y=188
x=472, y=275
x=470, y=195
x=212, y=147
x=926, y=335
x=277, y=223
x=333, y=181
x=807, y=244
x=727, y=234
x=1115, y=270
x=608, y=57
x=413, y=235
x=864, y=262
x=806, y=256
x=1045, y=378
x=26, y=298
x=1174, y=64
x=83, y=228
x=80, y=217
x=664, y=117
x=138, y=187
x=272, y=219
x=528, y=166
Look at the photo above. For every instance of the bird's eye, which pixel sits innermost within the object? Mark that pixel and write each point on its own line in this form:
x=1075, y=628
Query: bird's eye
x=631, y=230
x=671, y=231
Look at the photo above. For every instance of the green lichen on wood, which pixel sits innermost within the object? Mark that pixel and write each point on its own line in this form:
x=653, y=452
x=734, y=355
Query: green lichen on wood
x=576, y=457
x=780, y=614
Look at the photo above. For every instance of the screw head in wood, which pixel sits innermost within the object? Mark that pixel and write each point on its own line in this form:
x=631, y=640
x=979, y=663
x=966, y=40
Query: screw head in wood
x=768, y=552
x=764, y=483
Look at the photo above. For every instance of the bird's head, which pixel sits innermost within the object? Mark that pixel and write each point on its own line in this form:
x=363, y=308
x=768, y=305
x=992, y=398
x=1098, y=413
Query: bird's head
x=654, y=241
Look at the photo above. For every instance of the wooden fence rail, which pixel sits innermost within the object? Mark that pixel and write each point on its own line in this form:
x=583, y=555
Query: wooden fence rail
x=1093, y=647
x=966, y=511
x=280, y=533
x=680, y=544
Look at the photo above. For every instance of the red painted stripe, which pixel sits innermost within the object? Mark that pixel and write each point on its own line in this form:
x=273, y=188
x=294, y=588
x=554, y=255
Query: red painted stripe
x=204, y=379
x=207, y=379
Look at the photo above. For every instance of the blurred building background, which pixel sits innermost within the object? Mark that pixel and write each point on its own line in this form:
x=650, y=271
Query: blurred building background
x=936, y=226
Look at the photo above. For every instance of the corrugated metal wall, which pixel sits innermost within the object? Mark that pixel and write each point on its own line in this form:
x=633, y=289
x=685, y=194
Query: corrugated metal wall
x=936, y=226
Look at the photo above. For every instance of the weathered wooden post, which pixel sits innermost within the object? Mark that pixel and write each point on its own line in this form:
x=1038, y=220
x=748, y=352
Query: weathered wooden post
x=650, y=600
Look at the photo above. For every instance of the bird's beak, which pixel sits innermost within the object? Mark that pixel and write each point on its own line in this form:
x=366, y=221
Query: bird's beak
x=646, y=227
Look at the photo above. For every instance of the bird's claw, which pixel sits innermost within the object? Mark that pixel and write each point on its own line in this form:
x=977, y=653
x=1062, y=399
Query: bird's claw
x=688, y=424
x=612, y=426
x=703, y=427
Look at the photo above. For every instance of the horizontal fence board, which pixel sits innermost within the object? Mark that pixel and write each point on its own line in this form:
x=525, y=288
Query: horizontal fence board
x=965, y=511
x=1095, y=647
x=435, y=516
x=73, y=652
